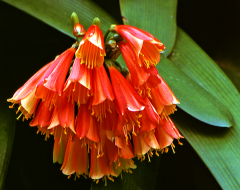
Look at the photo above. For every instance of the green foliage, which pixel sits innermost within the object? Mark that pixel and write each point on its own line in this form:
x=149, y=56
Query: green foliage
x=218, y=148
x=7, y=129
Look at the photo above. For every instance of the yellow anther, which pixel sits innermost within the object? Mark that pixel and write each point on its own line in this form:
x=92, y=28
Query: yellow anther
x=65, y=131
x=12, y=105
x=156, y=153
x=180, y=143
x=134, y=133
x=69, y=176
x=166, y=150
x=151, y=154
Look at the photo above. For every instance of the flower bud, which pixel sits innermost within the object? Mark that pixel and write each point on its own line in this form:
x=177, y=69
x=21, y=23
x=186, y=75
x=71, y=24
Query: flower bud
x=112, y=28
x=97, y=22
x=78, y=30
x=74, y=19
x=110, y=44
x=116, y=37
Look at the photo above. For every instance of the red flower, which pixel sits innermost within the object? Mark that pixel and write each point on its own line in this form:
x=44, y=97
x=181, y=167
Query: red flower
x=139, y=75
x=144, y=44
x=165, y=132
x=76, y=158
x=84, y=83
x=91, y=49
x=163, y=99
x=47, y=84
x=127, y=98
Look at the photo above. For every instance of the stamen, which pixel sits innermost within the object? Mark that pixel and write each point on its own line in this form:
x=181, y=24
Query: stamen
x=149, y=160
x=19, y=116
x=105, y=179
x=166, y=150
x=180, y=143
x=65, y=130
x=12, y=105
x=173, y=146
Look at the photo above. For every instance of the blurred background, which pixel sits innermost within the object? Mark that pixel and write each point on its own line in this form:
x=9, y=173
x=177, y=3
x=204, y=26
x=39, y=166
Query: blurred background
x=27, y=44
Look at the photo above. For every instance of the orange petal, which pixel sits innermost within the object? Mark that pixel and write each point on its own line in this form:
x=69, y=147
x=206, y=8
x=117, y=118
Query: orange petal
x=80, y=160
x=83, y=121
x=95, y=170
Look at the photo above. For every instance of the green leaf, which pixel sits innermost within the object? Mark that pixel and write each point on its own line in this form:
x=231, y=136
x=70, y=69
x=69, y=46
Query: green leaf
x=219, y=149
x=194, y=99
x=7, y=129
x=143, y=177
x=58, y=13
x=157, y=17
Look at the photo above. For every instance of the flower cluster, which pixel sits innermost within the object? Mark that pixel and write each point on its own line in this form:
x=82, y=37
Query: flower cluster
x=93, y=105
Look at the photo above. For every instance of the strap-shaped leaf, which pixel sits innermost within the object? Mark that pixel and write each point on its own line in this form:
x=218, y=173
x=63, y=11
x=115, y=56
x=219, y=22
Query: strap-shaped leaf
x=219, y=151
x=7, y=129
x=57, y=13
x=157, y=17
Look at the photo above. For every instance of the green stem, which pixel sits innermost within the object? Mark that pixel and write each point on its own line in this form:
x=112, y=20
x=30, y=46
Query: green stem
x=106, y=35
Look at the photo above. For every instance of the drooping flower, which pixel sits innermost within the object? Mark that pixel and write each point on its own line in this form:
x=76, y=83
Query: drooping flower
x=47, y=85
x=144, y=44
x=91, y=49
x=139, y=75
x=163, y=99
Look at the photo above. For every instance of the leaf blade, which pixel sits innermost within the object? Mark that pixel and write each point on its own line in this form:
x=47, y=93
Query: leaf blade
x=58, y=16
x=220, y=150
x=7, y=130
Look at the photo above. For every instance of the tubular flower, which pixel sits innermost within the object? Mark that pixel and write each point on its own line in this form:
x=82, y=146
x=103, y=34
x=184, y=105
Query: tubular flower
x=47, y=85
x=91, y=49
x=139, y=75
x=144, y=44
x=101, y=114
x=163, y=99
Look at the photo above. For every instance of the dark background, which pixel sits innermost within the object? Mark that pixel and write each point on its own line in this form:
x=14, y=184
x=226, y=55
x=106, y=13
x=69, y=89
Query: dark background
x=27, y=44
